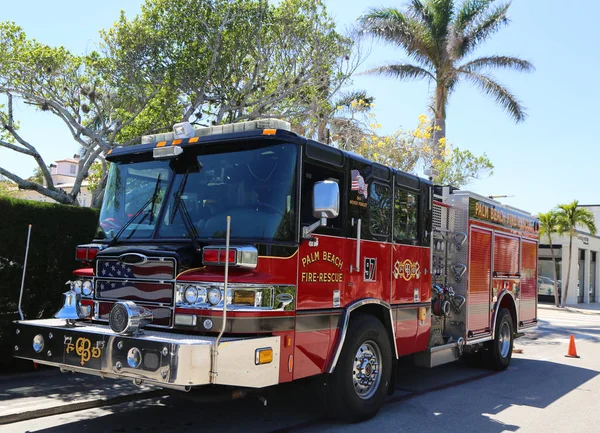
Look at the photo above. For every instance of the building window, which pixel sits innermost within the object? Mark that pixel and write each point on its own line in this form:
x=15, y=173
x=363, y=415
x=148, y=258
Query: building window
x=73, y=168
x=546, y=277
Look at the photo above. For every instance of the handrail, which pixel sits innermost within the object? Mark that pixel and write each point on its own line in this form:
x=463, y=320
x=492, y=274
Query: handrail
x=214, y=352
x=24, y=269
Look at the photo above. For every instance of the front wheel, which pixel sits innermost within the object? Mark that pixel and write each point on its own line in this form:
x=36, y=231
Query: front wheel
x=356, y=390
x=499, y=351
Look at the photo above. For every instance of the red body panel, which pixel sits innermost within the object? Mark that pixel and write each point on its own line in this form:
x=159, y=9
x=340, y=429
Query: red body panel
x=480, y=274
x=506, y=254
x=528, y=302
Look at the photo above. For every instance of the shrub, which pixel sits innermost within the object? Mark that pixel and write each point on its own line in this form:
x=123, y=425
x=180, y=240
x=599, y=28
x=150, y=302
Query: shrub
x=56, y=231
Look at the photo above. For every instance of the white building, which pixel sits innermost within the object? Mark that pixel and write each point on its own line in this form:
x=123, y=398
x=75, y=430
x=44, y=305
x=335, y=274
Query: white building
x=585, y=273
x=63, y=173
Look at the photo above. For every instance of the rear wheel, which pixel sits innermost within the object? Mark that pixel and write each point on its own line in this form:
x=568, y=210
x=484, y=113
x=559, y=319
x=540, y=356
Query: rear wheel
x=499, y=351
x=356, y=390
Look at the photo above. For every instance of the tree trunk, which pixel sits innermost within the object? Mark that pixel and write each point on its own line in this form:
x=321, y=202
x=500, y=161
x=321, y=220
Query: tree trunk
x=566, y=288
x=439, y=130
x=555, y=274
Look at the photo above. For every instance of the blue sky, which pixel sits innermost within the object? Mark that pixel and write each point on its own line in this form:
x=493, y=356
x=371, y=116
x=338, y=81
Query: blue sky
x=551, y=158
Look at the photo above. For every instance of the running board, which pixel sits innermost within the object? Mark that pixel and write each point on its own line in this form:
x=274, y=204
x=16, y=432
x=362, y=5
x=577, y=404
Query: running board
x=438, y=355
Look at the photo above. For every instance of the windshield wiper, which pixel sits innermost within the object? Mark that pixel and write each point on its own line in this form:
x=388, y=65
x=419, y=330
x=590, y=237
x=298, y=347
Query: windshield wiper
x=185, y=215
x=144, y=206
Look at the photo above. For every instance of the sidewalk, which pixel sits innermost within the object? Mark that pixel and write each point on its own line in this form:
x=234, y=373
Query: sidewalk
x=49, y=392
x=593, y=308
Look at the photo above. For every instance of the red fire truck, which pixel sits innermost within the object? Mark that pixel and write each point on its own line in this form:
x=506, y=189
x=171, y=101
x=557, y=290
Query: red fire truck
x=246, y=256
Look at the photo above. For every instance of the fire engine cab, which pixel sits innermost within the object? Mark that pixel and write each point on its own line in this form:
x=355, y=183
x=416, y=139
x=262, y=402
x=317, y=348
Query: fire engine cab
x=245, y=255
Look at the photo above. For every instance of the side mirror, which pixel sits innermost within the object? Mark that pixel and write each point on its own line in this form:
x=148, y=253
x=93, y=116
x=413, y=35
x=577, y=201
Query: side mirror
x=326, y=204
x=326, y=199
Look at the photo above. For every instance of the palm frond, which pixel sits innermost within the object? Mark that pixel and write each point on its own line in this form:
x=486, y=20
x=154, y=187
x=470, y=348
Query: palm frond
x=392, y=26
x=500, y=93
x=483, y=28
x=402, y=71
x=496, y=62
x=436, y=17
x=468, y=12
x=572, y=215
x=548, y=223
x=443, y=14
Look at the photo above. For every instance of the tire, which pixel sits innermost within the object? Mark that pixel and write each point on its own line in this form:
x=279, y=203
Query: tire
x=366, y=352
x=499, y=352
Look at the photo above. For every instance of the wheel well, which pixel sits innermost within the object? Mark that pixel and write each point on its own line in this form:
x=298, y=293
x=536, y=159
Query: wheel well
x=508, y=303
x=381, y=313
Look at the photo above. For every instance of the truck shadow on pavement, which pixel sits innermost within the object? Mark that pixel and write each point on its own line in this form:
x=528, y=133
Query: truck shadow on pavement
x=451, y=398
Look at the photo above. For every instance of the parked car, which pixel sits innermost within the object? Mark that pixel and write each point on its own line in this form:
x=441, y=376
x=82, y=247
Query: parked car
x=546, y=286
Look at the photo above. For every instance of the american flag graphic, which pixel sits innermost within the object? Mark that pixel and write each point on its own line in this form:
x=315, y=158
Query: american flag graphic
x=154, y=269
x=117, y=280
x=358, y=183
x=135, y=290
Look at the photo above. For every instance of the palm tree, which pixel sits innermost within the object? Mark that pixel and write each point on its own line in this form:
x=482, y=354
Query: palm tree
x=569, y=217
x=548, y=226
x=439, y=35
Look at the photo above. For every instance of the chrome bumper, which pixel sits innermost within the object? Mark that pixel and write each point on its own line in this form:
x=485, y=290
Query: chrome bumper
x=167, y=359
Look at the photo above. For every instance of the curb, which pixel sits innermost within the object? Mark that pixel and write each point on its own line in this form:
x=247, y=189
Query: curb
x=74, y=407
x=577, y=310
x=569, y=309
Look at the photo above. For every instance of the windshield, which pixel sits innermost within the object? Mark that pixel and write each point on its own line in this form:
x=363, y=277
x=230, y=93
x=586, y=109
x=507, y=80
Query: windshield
x=255, y=187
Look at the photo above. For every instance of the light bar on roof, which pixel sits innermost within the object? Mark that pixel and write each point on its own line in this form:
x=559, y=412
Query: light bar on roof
x=182, y=131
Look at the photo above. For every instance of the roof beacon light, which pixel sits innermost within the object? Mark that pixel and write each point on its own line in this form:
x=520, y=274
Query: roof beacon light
x=186, y=130
x=183, y=130
x=166, y=152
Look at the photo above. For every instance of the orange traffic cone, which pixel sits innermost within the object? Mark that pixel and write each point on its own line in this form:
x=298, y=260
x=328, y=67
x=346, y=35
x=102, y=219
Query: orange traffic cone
x=572, y=353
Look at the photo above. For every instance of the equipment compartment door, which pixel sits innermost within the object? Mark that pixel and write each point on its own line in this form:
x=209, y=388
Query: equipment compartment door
x=479, y=292
x=528, y=304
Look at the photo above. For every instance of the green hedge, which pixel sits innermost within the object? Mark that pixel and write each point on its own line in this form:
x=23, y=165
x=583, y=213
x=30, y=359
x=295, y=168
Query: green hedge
x=56, y=231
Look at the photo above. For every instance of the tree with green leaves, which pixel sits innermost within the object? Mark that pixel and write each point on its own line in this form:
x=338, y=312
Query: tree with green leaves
x=95, y=101
x=202, y=61
x=440, y=37
x=570, y=217
x=549, y=226
x=237, y=60
x=460, y=167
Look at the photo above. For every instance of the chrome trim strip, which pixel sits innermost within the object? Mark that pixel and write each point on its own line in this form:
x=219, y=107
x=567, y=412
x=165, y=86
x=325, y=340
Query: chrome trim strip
x=347, y=311
x=478, y=340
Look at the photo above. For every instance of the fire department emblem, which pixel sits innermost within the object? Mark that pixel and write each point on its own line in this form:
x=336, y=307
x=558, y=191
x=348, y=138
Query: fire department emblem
x=407, y=270
x=359, y=184
x=83, y=348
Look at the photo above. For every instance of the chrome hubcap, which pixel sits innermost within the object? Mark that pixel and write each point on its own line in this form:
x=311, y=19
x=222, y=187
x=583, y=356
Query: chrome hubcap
x=504, y=340
x=366, y=369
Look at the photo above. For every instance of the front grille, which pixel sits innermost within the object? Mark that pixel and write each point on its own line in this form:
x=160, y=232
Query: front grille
x=155, y=268
x=150, y=283
x=135, y=290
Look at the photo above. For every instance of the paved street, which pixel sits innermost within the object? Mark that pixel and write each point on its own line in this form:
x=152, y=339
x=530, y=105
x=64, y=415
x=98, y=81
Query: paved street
x=542, y=391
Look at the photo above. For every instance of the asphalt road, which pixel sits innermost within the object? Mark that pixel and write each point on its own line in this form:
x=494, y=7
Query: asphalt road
x=542, y=391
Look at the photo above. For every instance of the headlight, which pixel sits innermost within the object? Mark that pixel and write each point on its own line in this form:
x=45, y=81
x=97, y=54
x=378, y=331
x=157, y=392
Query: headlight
x=214, y=296
x=87, y=288
x=191, y=295
x=77, y=286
